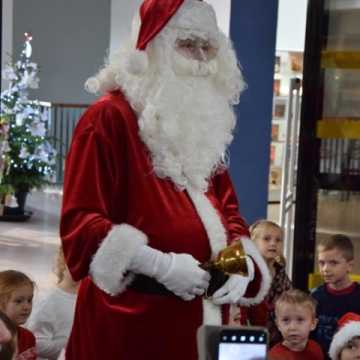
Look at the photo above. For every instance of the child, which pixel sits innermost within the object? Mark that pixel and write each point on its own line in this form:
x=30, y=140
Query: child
x=346, y=342
x=8, y=335
x=16, y=294
x=295, y=318
x=52, y=320
x=268, y=237
x=339, y=294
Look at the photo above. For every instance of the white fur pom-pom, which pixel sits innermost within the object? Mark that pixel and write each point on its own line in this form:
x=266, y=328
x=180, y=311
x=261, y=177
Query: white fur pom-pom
x=137, y=62
x=92, y=85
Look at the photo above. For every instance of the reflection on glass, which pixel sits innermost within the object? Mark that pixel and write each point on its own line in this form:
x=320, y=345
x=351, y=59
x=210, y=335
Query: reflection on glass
x=338, y=129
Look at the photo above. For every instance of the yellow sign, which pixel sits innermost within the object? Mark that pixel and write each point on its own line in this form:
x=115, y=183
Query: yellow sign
x=335, y=129
x=340, y=59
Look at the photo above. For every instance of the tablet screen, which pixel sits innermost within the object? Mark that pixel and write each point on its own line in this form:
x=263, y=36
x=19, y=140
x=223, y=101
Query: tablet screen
x=242, y=344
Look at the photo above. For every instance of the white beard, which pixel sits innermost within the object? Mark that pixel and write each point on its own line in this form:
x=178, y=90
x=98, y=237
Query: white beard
x=184, y=107
x=188, y=67
x=187, y=125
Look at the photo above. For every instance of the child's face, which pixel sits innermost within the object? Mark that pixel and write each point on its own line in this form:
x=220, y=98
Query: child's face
x=295, y=323
x=269, y=242
x=351, y=351
x=18, y=307
x=334, y=268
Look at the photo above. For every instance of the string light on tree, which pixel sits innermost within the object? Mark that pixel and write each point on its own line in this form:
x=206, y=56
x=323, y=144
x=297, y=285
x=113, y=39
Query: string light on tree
x=29, y=158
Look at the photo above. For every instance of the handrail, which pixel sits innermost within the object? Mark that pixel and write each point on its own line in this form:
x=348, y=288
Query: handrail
x=62, y=119
x=69, y=105
x=288, y=180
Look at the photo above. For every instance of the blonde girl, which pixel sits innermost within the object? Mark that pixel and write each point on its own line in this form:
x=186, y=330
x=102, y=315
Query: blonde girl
x=16, y=294
x=52, y=319
x=268, y=237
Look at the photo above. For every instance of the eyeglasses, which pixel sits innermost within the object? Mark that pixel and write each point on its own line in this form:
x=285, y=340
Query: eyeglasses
x=196, y=48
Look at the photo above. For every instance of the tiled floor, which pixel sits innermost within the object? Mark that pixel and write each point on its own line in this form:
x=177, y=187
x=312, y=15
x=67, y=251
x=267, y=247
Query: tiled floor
x=30, y=246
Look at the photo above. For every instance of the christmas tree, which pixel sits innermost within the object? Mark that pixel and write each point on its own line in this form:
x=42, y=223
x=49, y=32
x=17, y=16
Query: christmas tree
x=27, y=157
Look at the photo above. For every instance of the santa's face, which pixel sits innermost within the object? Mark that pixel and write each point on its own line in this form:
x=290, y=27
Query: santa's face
x=185, y=117
x=196, y=48
x=194, y=55
x=184, y=102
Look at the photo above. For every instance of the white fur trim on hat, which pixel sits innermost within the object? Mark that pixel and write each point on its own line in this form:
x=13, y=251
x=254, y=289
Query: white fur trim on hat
x=111, y=261
x=137, y=62
x=251, y=250
x=198, y=16
x=102, y=82
x=345, y=334
x=92, y=85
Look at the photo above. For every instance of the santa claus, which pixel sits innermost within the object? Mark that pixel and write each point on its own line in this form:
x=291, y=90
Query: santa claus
x=147, y=194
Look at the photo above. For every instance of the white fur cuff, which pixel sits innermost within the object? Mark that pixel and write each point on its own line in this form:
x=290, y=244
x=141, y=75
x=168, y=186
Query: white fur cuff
x=251, y=250
x=111, y=261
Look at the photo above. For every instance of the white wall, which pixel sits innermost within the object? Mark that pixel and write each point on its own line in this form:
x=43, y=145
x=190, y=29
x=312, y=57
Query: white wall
x=122, y=12
x=69, y=44
x=291, y=25
x=7, y=36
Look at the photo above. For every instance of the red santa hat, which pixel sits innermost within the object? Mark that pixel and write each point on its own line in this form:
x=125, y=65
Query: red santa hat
x=349, y=327
x=155, y=15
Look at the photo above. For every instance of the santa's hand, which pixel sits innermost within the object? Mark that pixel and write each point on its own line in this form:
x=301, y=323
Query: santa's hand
x=180, y=273
x=184, y=277
x=235, y=287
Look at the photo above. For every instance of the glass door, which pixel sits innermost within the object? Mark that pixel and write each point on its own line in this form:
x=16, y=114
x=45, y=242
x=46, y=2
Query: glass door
x=328, y=192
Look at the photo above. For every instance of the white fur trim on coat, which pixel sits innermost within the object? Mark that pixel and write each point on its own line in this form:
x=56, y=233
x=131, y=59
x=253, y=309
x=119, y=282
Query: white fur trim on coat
x=251, y=250
x=211, y=313
x=217, y=236
x=345, y=334
x=218, y=240
x=214, y=228
x=112, y=259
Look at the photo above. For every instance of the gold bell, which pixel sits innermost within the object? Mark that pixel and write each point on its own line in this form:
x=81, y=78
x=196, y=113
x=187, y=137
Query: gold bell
x=231, y=260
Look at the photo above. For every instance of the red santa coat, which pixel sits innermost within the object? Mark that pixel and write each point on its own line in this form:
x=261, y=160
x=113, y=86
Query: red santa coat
x=113, y=203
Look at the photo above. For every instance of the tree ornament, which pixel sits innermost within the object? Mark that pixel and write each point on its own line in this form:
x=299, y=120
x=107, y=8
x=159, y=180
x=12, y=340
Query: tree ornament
x=27, y=158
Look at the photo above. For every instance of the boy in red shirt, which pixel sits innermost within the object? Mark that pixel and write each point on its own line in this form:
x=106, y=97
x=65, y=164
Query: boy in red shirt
x=295, y=319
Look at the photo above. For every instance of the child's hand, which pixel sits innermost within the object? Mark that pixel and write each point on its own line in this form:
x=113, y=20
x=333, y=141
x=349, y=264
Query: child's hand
x=5, y=335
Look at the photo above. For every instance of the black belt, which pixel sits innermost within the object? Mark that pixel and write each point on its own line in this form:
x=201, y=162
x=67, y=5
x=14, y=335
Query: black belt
x=148, y=285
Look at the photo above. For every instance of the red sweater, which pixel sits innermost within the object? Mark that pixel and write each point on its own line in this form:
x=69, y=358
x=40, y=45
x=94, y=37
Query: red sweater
x=311, y=352
x=26, y=344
